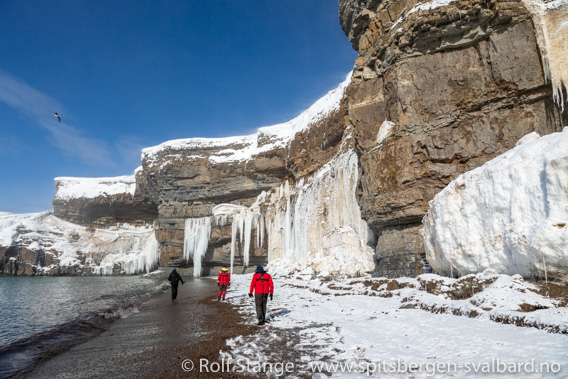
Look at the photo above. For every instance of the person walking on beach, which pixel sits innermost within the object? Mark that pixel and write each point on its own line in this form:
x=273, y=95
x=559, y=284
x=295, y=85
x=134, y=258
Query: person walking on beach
x=175, y=278
x=263, y=287
x=223, y=281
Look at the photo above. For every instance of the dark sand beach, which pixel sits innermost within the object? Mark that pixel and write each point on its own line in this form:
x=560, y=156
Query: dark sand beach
x=154, y=342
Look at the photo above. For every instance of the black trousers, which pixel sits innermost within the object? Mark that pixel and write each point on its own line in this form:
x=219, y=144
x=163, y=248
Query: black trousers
x=174, y=291
x=261, y=301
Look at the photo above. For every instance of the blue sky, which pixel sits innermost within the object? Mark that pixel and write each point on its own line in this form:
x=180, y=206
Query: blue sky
x=130, y=74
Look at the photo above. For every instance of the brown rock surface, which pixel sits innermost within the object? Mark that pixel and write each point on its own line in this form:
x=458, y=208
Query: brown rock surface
x=461, y=83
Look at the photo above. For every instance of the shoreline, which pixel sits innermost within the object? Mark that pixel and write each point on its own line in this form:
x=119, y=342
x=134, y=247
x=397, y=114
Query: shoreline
x=66, y=326
x=154, y=341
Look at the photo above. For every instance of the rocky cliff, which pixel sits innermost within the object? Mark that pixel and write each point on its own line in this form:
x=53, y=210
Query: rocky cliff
x=189, y=178
x=438, y=89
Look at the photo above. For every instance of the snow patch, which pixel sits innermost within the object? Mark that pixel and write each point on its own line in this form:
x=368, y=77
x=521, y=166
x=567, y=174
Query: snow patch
x=385, y=131
x=313, y=321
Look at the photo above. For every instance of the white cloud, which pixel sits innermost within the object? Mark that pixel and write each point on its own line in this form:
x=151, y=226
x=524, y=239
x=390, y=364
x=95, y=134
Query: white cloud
x=40, y=107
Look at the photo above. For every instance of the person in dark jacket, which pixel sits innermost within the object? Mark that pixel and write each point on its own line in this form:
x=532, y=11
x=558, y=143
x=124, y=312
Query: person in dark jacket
x=263, y=287
x=175, y=278
x=223, y=281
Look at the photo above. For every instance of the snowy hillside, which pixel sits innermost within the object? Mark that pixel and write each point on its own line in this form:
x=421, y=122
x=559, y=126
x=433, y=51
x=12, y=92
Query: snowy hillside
x=45, y=244
x=511, y=214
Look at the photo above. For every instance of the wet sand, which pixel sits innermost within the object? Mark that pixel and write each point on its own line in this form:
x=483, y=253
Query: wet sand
x=154, y=342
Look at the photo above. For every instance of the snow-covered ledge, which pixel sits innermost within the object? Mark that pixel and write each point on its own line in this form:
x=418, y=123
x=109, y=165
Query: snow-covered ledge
x=511, y=214
x=90, y=188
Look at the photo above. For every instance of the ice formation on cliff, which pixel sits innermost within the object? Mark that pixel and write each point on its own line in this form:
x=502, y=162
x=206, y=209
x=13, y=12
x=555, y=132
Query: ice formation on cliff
x=125, y=249
x=511, y=214
x=244, y=221
x=317, y=222
x=196, y=240
x=551, y=22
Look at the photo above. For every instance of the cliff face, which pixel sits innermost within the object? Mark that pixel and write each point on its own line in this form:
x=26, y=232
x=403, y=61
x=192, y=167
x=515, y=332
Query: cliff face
x=187, y=178
x=438, y=89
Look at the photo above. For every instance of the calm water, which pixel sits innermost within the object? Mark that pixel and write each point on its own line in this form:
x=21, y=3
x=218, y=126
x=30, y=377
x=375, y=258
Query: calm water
x=37, y=313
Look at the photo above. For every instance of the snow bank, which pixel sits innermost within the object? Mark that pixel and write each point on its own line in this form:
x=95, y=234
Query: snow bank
x=242, y=148
x=72, y=188
x=511, y=214
x=121, y=250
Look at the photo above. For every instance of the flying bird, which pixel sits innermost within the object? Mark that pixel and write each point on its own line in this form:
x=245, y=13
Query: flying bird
x=58, y=116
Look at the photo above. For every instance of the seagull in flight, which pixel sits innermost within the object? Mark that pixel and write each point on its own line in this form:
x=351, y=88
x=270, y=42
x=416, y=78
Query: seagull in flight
x=58, y=116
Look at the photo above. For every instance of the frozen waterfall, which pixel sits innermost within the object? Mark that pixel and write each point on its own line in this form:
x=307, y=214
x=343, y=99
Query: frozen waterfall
x=196, y=241
x=317, y=222
x=245, y=220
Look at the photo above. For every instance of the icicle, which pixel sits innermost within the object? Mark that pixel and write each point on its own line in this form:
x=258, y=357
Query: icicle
x=269, y=247
x=258, y=238
x=241, y=222
x=151, y=254
x=234, y=229
x=288, y=229
x=247, y=232
x=196, y=241
x=545, y=272
x=261, y=230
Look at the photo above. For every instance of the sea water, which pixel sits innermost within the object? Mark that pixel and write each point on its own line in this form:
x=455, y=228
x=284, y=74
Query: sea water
x=44, y=313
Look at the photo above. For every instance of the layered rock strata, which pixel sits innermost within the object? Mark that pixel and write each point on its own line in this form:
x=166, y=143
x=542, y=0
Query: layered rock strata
x=102, y=202
x=188, y=178
x=438, y=89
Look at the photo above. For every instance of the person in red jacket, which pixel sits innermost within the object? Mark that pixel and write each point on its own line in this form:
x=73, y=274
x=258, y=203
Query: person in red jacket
x=262, y=287
x=223, y=281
